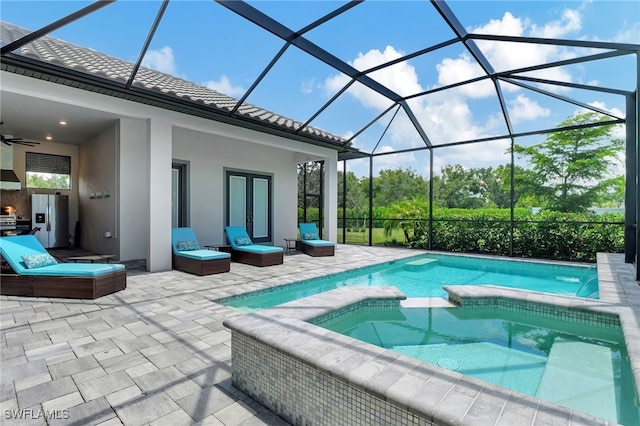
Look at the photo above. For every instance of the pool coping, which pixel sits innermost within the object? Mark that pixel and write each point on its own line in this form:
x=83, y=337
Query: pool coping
x=240, y=294
x=428, y=393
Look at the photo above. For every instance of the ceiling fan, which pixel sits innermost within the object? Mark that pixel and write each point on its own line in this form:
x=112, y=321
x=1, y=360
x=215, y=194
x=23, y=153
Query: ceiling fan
x=10, y=139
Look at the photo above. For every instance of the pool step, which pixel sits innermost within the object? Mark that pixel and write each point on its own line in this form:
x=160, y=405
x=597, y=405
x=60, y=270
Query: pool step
x=427, y=302
x=486, y=361
x=418, y=263
x=580, y=375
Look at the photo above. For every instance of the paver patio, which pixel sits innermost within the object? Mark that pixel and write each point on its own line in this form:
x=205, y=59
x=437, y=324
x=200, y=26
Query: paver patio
x=157, y=353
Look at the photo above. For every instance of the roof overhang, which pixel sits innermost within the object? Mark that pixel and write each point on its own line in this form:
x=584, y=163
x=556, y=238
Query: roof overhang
x=59, y=75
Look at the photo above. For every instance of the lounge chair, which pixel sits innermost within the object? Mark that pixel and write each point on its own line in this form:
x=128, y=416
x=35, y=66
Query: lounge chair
x=188, y=257
x=244, y=251
x=34, y=272
x=311, y=244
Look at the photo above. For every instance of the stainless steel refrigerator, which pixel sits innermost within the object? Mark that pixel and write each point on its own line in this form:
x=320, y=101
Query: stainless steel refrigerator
x=50, y=212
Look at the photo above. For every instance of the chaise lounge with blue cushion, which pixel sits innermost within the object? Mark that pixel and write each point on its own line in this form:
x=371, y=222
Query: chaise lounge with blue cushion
x=34, y=272
x=189, y=257
x=311, y=244
x=243, y=250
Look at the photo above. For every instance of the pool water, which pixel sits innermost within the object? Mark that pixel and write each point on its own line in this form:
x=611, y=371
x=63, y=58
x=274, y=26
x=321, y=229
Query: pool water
x=424, y=276
x=580, y=366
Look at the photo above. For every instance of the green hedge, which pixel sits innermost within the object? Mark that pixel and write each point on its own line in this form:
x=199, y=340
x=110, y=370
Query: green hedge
x=546, y=235
x=550, y=235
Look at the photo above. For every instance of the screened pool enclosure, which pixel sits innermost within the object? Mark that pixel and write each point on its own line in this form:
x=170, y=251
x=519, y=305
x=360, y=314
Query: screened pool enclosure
x=430, y=86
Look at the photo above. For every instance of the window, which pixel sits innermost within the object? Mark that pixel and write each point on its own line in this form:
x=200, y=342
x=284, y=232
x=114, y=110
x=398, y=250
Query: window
x=48, y=171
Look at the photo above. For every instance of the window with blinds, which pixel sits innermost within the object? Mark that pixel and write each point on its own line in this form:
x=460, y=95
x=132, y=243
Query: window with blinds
x=48, y=171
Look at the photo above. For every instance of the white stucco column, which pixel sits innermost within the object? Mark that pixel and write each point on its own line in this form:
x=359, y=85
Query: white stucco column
x=330, y=231
x=159, y=184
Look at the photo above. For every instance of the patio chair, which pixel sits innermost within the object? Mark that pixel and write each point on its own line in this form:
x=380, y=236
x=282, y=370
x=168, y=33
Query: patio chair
x=311, y=244
x=187, y=256
x=34, y=272
x=243, y=250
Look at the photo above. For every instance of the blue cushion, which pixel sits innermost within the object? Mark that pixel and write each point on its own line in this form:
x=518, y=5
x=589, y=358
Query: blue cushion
x=243, y=241
x=318, y=243
x=12, y=249
x=310, y=236
x=203, y=254
x=187, y=245
x=234, y=232
x=182, y=234
x=258, y=248
x=307, y=229
x=238, y=232
x=33, y=261
x=75, y=270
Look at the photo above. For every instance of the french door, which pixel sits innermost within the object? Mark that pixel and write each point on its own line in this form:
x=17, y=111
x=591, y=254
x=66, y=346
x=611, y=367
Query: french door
x=249, y=204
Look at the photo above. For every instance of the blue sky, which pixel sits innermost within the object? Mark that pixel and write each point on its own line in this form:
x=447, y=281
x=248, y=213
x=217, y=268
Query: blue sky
x=203, y=42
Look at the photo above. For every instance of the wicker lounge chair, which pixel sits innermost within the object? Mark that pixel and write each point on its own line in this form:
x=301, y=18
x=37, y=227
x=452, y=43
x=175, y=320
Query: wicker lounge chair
x=311, y=244
x=244, y=251
x=188, y=257
x=34, y=272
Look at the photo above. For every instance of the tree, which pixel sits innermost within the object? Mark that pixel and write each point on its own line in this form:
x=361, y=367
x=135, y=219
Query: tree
x=313, y=179
x=356, y=196
x=614, y=196
x=457, y=187
x=48, y=181
x=571, y=166
x=406, y=215
x=398, y=184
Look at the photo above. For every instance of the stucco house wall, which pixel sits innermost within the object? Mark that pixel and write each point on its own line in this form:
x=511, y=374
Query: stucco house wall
x=134, y=157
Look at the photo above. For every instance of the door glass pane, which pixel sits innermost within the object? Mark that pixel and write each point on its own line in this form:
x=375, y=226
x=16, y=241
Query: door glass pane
x=260, y=208
x=175, y=198
x=237, y=201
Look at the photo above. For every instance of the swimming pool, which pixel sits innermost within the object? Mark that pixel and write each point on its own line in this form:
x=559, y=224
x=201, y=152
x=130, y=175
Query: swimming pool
x=583, y=366
x=425, y=275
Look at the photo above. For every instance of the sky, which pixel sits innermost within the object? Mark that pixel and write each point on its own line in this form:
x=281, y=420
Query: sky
x=203, y=42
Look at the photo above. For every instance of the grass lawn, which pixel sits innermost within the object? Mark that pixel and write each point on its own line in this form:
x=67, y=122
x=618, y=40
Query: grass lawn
x=354, y=237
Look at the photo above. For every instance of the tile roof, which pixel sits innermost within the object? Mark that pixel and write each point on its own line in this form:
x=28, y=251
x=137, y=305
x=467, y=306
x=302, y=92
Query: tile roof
x=57, y=52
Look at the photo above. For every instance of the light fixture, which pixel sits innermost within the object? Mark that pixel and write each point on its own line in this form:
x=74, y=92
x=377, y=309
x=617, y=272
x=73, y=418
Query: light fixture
x=48, y=137
x=63, y=123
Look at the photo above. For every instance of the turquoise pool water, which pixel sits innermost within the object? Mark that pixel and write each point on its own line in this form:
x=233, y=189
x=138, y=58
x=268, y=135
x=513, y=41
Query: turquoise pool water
x=424, y=276
x=580, y=366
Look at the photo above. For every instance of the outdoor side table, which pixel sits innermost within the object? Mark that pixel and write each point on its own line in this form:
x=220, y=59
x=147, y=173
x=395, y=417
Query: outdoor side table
x=93, y=258
x=219, y=247
x=292, y=244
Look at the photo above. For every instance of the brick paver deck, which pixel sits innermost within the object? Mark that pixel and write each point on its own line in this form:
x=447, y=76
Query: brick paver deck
x=156, y=353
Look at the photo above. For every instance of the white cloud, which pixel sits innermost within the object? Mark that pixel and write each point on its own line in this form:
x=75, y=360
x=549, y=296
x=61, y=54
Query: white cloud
x=392, y=160
x=570, y=21
x=506, y=56
x=161, y=60
x=619, y=131
x=446, y=116
x=601, y=105
x=522, y=108
x=402, y=78
x=628, y=34
x=451, y=71
x=307, y=86
x=483, y=154
x=224, y=86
